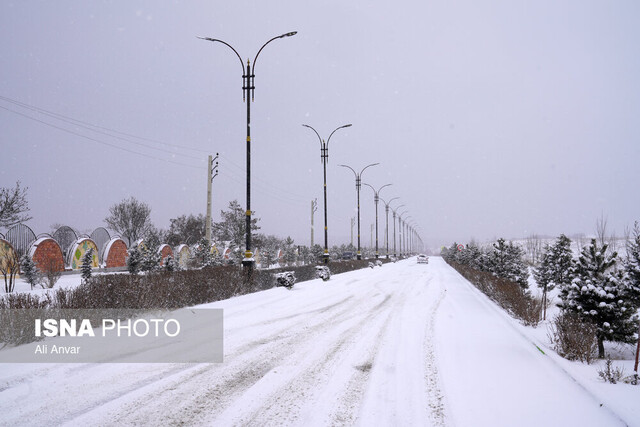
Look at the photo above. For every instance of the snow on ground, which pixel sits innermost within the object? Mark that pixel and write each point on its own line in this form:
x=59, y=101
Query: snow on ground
x=402, y=344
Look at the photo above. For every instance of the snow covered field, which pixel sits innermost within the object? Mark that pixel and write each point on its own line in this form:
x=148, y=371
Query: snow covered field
x=402, y=344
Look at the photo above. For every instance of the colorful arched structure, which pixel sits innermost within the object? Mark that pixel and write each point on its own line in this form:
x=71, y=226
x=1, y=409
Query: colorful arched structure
x=77, y=251
x=47, y=254
x=114, y=253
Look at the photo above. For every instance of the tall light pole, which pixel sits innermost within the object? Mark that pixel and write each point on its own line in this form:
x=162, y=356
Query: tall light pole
x=324, y=157
x=406, y=234
x=376, y=199
x=358, y=185
x=401, y=227
x=386, y=210
x=248, y=82
x=395, y=253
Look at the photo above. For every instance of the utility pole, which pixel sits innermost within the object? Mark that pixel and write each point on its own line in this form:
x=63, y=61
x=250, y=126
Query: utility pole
x=314, y=208
x=211, y=168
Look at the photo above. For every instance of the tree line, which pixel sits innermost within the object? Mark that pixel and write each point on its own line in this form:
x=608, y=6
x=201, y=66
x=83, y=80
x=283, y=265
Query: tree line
x=598, y=287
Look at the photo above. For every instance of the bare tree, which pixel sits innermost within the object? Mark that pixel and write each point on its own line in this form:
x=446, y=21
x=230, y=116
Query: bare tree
x=13, y=205
x=601, y=230
x=131, y=218
x=533, y=245
x=9, y=268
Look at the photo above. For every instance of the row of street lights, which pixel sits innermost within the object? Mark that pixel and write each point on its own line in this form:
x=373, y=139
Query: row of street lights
x=248, y=87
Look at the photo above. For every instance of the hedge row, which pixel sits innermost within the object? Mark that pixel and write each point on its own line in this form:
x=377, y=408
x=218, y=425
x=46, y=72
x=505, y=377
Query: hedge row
x=506, y=293
x=164, y=290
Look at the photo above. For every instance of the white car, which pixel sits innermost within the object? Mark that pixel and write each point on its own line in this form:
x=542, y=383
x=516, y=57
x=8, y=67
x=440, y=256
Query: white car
x=423, y=259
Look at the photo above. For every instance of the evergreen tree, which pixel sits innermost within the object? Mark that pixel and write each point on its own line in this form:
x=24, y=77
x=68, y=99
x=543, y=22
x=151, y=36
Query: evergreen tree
x=507, y=261
x=203, y=255
x=289, y=250
x=232, y=229
x=151, y=259
x=555, y=268
x=317, y=251
x=598, y=295
x=30, y=271
x=632, y=266
x=134, y=260
x=87, y=260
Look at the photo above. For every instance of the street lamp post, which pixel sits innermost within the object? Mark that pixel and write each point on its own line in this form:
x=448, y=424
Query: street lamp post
x=248, y=82
x=324, y=156
x=358, y=185
x=406, y=235
x=376, y=199
x=386, y=210
x=395, y=252
x=401, y=238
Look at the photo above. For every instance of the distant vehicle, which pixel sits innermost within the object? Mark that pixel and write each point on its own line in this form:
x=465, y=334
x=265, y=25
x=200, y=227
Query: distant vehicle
x=423, y=259
x=348, y=255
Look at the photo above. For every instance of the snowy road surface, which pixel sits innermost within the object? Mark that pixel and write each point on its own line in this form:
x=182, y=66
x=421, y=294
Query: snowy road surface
x=398, y=345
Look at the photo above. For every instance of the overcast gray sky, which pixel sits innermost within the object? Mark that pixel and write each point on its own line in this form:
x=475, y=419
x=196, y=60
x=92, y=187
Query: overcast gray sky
x=495, y=118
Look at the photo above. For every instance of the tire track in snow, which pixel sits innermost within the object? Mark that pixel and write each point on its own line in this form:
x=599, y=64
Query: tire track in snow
x=298, y=392
x=211, y=388
x=435, y=397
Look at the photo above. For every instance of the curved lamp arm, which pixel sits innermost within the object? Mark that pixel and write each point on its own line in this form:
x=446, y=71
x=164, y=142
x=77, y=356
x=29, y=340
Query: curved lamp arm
x=292, y=33
x=229, y=46
x=354, y=172
x=320, y=139
x=368, y=166
x=343, y=126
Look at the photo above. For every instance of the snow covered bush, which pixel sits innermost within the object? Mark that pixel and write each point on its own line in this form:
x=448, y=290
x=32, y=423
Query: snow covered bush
x=598, y=294
x=611, y=374
x=133, y=260
x=573, y=338
x=506, y=293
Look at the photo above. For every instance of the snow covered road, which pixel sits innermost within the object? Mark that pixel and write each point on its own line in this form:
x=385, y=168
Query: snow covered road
x=403, y=344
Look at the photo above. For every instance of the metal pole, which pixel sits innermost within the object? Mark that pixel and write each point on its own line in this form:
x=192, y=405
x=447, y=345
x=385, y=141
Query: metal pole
x=248, y=79
x=358, y=254
x=248, y=255
x=394, y=235
x=324, y=156
x=325, y=254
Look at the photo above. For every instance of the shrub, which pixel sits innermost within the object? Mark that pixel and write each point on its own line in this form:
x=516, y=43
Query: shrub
x=573, y=338
x=611, y=374
x=508, y=294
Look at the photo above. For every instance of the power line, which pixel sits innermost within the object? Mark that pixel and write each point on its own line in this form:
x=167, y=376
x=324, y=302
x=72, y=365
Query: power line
x=77, y=121
x=97, y=140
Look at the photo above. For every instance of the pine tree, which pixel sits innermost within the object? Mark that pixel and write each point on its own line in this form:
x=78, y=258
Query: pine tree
x=203, y=255
x=507, y=261
x=30, y=271
x=632, y=266
x=598, y=295
x=289, y=251
x=151, y=259
x=555, y=268
x=87, y=261
x=133, y=260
